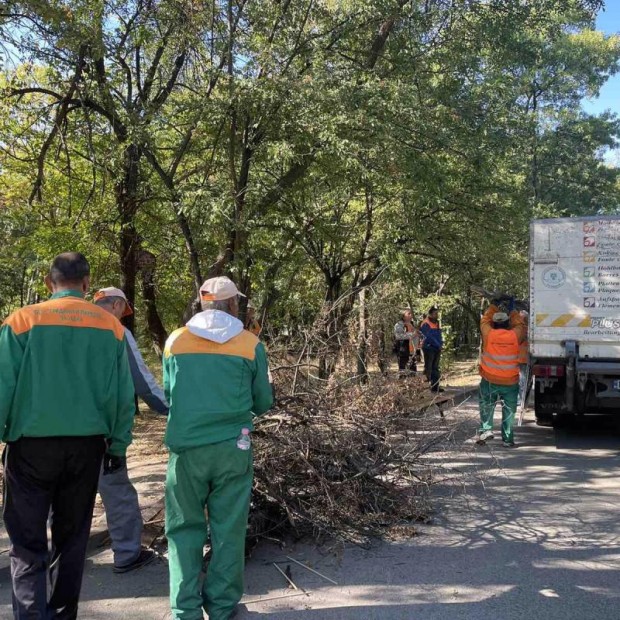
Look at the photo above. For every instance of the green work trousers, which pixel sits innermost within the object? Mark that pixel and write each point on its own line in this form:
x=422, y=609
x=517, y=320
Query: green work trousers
x=489, y=394
x=218, y=477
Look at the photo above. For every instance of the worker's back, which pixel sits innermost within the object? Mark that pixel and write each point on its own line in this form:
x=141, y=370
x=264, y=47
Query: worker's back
x=215, y=376
x=65, y=362
x=500, y=357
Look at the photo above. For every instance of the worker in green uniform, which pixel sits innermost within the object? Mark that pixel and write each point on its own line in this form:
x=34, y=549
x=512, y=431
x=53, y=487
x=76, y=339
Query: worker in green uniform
x=216, y=381
x=66, y=406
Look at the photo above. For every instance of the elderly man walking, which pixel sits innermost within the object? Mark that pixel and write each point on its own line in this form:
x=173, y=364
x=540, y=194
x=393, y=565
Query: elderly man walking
x=216, y=380
x=118, y=494
x=65, y=388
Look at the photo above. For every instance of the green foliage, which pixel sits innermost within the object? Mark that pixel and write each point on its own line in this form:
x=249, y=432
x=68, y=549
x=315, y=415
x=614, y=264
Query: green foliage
x=310, y=150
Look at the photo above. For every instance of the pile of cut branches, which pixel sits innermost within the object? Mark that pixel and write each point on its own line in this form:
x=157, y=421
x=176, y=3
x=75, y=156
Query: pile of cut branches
x=345, y=462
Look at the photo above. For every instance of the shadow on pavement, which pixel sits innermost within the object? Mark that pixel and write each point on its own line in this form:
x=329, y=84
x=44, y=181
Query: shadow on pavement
x=531, y=532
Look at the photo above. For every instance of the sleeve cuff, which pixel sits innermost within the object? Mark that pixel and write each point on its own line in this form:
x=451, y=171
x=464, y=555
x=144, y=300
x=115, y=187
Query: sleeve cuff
x=116, y=450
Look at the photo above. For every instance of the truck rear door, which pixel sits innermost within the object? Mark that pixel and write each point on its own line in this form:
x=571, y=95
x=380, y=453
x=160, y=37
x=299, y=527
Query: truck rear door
x=575, y=286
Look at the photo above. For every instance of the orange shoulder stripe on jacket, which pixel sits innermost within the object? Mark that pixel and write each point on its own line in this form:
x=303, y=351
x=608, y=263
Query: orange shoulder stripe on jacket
x=65, y=312
x=182, y=342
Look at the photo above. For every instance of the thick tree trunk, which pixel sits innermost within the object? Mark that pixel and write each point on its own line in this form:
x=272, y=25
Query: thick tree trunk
x=127, y=205
x=147, y=264
x=329, y=327
x=129, y=241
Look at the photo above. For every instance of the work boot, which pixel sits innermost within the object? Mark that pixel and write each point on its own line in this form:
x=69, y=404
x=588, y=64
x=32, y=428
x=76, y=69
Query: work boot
x=484, y=436
x=146, y=557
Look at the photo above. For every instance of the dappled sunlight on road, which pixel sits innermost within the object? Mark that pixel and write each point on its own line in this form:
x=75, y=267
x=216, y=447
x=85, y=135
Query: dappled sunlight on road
x=529, y=531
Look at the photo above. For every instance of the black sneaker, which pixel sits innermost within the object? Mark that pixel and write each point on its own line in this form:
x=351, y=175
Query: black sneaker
x=146, y=557
x=508, y=444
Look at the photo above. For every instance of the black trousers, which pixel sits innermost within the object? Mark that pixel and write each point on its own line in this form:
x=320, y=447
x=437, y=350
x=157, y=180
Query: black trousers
x=431, y=367
x=406, y=361
x=55, y=478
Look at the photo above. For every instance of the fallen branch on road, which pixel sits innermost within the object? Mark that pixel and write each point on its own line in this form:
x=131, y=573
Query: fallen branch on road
x=345, y=462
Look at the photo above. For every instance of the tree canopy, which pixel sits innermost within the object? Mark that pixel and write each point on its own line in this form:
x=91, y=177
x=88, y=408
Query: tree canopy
x=314, y=150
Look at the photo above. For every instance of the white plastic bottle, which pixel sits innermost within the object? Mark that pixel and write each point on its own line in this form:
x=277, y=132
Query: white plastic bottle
x=243, y=441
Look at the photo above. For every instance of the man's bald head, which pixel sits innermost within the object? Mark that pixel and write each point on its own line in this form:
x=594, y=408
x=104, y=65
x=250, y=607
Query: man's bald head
x=69, y=270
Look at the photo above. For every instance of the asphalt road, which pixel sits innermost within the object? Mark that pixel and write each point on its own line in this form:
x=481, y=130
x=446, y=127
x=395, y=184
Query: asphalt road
x=531, y=532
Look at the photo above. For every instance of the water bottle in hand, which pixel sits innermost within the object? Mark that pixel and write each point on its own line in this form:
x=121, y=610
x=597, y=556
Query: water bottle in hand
x=243, y=441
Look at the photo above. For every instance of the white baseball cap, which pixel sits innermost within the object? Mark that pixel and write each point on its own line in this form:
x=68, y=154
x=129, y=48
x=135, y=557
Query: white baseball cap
x=500, y=317
x=112, y=291
x=218, y=289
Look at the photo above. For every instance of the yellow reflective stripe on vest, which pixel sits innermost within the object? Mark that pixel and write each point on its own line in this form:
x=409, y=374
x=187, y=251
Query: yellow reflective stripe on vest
x=507, y=363
x=500, y=358
x=501, y=355
x=501, y=367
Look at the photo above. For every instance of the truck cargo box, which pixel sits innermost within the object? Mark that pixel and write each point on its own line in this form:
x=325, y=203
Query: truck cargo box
x=575, y=287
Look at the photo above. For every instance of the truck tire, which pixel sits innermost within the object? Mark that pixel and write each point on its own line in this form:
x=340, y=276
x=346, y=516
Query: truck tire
x=542, y=411
x=545, y=405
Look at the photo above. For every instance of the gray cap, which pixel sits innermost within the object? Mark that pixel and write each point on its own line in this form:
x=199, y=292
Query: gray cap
x=500, y=317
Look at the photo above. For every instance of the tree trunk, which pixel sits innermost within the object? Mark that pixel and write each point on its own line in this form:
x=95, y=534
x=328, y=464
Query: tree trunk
x=147, y=264
x=129, y=241
x=362, y=339
x=329, y=327
x=127, y=205
x=193, y=306
x=192, y=251
x=382, y=358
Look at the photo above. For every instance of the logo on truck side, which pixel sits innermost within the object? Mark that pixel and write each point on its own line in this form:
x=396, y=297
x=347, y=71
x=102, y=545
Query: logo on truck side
x=602, y=322
x=554, y=277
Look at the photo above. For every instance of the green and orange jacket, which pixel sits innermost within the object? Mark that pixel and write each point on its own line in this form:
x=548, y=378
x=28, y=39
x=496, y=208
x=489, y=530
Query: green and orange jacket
x=215, y=379
x=64, y=371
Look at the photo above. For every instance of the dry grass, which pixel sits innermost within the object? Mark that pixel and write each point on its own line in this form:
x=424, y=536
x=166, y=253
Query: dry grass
x=148, y=438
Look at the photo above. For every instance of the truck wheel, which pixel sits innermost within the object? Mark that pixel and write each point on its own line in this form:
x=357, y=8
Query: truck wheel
x=544, y=406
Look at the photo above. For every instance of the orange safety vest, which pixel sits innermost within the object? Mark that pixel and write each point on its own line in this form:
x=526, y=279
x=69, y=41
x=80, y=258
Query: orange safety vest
x=500, y=359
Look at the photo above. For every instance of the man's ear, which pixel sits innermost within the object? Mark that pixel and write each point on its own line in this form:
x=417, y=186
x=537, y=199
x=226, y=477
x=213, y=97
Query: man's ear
x=48, y=283
x=86, y=285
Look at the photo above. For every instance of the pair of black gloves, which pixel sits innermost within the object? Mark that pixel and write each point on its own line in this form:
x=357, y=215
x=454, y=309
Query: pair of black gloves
x=505, y=303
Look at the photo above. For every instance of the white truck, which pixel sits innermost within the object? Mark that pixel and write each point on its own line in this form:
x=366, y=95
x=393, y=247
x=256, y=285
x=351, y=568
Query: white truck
x=574, y=329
